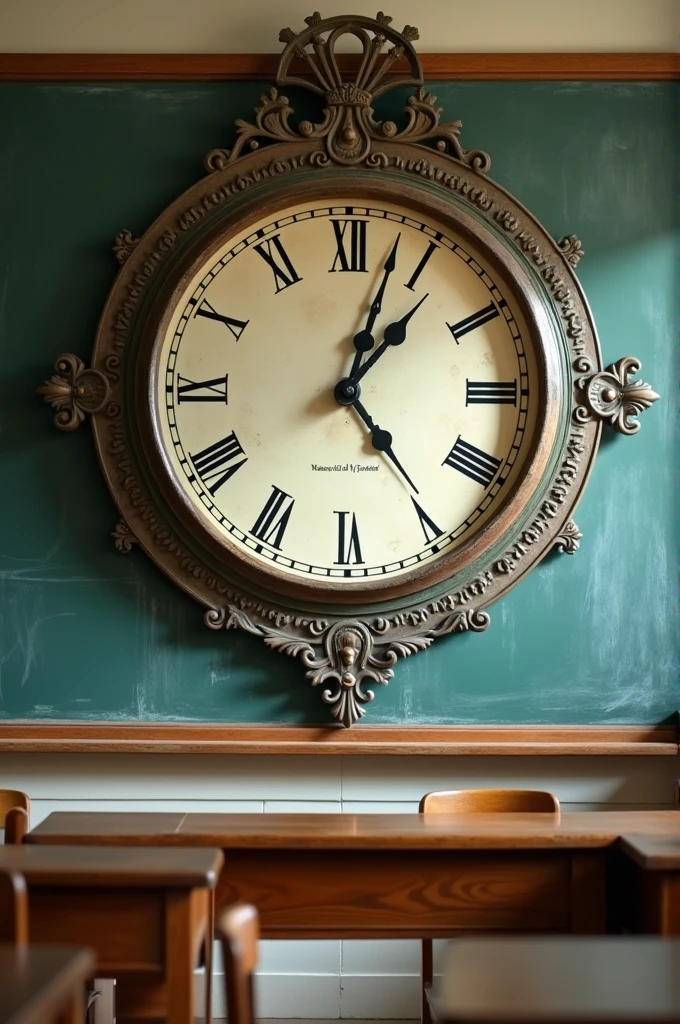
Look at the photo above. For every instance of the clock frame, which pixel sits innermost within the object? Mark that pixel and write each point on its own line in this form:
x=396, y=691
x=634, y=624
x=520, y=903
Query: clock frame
x=348, y=636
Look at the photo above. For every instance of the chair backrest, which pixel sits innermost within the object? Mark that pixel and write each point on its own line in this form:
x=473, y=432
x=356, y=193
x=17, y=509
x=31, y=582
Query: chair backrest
x=16, y=826
x=238, y=929
x=12, y=798
x=13, y=908
x=479, y=801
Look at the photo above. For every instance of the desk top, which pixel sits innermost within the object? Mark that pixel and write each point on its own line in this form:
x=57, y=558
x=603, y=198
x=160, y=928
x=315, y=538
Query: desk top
x=35, y=978
x=356, y=831
x=654, y=852
x=113, y=866
x=619, y=979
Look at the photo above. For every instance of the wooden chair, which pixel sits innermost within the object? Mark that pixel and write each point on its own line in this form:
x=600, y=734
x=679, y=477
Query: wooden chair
x=476, y=801
x=238, y=929
x=15, y=826
x=13, y=908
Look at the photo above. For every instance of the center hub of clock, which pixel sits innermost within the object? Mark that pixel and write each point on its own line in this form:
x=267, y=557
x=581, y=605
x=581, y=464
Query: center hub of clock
x=347, y=391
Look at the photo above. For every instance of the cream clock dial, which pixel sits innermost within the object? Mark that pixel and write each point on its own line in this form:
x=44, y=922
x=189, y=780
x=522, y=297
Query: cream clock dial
x=346, y=391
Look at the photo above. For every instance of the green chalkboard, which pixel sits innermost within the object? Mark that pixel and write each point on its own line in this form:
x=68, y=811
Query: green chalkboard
x=88, y=634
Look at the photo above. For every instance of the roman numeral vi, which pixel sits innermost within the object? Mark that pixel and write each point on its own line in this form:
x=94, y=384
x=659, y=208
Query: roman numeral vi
x=349, y=549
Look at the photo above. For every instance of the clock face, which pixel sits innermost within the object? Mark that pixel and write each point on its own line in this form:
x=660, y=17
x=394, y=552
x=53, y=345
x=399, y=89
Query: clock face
x=345, y=393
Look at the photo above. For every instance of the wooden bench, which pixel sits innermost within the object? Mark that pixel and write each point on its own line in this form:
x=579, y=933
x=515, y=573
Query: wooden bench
x=144, y=911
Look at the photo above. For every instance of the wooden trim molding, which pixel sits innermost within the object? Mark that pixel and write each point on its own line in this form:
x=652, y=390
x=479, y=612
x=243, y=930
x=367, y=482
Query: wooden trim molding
x=499, y=740
x=121, y=67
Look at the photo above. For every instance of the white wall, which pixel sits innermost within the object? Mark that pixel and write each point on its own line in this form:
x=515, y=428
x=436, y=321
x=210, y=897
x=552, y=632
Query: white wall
x=328, y=979
x=209, y=26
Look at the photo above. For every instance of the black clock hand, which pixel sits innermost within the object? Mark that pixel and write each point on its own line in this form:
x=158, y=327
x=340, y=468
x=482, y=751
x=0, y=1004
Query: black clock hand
x=395, y=334
x=382, y=442
x=364, y=341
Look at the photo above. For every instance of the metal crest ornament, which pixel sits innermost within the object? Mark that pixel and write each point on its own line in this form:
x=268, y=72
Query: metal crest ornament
x=348, y=641
x=74, y=391
x=612, y=395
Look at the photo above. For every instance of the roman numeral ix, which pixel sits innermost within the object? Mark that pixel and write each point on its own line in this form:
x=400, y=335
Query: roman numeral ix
x=350, y=238
x=349, y=549
x=214, y=390
x=275, y=256
x=272, y=521
x=473, y=462
x=237, y=327
x=496, y=392
x=471, y=323
x=217, y=463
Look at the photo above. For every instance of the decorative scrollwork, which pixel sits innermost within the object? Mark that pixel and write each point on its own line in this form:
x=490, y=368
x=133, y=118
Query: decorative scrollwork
x=74, y=391
x=343, y=656
x=123, y=537
x=571, y=247
x=124, y=245
x=612, y=395
x=348, y=129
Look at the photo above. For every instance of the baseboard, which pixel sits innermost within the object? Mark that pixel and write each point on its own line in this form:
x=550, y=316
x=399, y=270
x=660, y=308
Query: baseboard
x=323, y=996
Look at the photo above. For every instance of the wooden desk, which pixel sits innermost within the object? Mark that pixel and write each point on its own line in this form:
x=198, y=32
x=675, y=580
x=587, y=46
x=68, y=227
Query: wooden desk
x=538, y=981
x=144, y=911
x=43, y=984
x=657, y=880
x=393, y=875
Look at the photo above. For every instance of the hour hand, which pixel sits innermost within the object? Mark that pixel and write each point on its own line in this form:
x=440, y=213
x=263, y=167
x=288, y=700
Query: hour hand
x=364, y=340
x=395, y=334
x=382, y=442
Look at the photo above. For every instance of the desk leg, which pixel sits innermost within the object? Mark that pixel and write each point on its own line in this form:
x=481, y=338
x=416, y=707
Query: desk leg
x=74, y=1011
x=208, y=956
x=426, y=979
x=660, y=895
x=588, y=895
x=186, y=913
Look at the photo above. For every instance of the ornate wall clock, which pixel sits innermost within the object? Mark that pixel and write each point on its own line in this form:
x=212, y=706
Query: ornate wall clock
x=346, y=391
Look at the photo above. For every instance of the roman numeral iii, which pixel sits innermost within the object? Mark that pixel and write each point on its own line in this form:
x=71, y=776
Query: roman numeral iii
x=349, y=549
x=272, y=521
x=218, y=462
x=237, y=327
x=276, y=257
x=473, y=462
x=350, y=238
x=495, y=392
x=214, y=390
x=471, y=323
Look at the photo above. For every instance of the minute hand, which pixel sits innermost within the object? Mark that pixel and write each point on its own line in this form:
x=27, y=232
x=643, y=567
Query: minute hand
x=363, y=341
x=395, y=334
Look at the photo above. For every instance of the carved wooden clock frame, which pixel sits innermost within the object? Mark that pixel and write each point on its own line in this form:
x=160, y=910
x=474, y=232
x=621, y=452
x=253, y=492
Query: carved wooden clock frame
x=348, y=640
